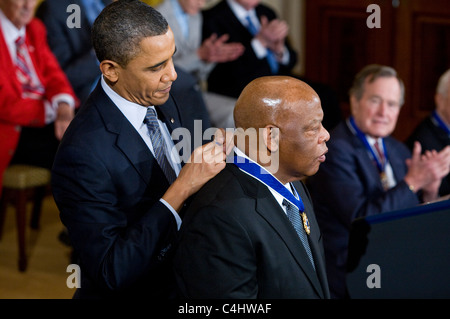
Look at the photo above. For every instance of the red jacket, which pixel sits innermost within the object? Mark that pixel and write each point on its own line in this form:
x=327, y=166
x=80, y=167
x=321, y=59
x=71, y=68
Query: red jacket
x=16, y=111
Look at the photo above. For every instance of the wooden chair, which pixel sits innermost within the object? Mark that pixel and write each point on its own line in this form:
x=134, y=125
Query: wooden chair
x=22, y=183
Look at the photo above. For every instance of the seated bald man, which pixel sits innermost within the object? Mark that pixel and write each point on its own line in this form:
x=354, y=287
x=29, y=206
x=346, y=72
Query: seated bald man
x=251, y=231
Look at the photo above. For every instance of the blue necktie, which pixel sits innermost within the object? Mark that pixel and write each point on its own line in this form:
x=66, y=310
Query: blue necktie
x=273, y=63
x=159, y=146
x=294, y=216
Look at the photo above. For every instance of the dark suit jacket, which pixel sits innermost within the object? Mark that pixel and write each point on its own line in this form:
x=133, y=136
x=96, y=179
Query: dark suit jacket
x=107, y=186
x=431, y=137
x=230, y=78
x=71, y=46
x=348, y=186
x=237, y=242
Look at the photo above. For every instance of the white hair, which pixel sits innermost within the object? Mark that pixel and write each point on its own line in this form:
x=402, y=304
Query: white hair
x=442, y=87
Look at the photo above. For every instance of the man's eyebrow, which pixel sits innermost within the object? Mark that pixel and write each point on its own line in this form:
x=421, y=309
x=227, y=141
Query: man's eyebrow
x=162, y=62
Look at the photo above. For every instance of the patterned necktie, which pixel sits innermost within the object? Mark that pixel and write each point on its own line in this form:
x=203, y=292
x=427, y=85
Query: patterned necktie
x=273, y=63
x=294, y=216
x=380, y=152
x=159, y=146
x=23, y=72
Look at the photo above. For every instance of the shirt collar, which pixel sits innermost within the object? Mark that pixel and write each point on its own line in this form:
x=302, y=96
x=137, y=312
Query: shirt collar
x=240, y=12
x=372, y=140
x=10, y=32
x=278, y=197
x=135, y=113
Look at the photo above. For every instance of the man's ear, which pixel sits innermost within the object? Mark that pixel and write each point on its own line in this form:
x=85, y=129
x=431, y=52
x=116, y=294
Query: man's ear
x=110, y=70
x=271, y=136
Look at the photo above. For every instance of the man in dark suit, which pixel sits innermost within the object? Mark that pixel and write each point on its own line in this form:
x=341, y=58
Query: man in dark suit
x=261, y=46
x=267, y=51
x=237, y=239
x=117, y=180
x=367, y=171
x=433, y=132
x=72, y=44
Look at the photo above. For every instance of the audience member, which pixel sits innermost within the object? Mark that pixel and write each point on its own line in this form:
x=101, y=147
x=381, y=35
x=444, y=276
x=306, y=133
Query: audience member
x=72, y=44
x=267, y=51
x=263, y=35
x=433, y=132
x=237, y=239
x=118, y=184
x=369, y=172
x=194, y=55
x=36, y=100
x=197, y=57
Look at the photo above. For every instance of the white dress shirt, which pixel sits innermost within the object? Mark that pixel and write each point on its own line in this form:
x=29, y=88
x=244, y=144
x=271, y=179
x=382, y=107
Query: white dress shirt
x=279, y=198
x=135, y=114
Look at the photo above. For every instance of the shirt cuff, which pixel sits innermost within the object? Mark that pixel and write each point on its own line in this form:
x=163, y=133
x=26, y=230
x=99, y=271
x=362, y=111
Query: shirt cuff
x=261, y=52
x=259, y=49
x=63, y=97
x=50, y=112
x=286, y=56
x=173, y=211
x=51, y=108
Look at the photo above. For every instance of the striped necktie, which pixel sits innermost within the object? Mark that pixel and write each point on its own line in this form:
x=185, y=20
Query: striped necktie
x=273, y=63
x=380, y=152
x=294, y=216
x=159, y=146
x=23, y=72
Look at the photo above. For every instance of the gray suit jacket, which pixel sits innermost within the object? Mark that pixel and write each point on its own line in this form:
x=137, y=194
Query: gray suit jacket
x=237, y=242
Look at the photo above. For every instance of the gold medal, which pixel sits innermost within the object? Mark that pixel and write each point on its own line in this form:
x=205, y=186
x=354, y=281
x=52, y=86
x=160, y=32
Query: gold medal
x=306, y=223
x=384, y=180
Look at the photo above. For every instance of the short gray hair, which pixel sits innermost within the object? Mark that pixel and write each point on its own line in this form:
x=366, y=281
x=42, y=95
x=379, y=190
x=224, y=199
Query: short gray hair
x=371, y=73
x=442, y=87
x=121, y=26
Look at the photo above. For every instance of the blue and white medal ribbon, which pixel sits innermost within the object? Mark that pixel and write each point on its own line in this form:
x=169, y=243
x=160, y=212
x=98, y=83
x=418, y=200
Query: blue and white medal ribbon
x=269, y=180
x=381, y=166
x=441, y=123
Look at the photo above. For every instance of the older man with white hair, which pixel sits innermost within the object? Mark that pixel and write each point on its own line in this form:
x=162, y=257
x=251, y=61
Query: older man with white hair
x=434, y=131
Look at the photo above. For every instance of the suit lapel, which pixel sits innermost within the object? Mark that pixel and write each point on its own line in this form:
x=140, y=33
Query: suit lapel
x=367, y=163
x=265, y=206
x=128, y=139
x=314, y=237
x=168, y=113
x=396, y=159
